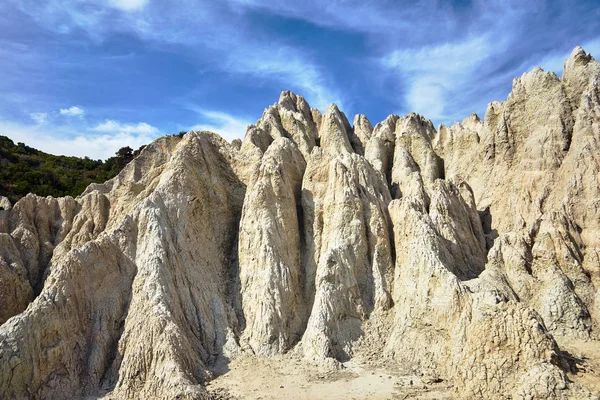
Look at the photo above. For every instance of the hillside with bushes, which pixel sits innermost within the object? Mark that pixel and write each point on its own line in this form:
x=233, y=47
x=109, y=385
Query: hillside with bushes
x=24, y=170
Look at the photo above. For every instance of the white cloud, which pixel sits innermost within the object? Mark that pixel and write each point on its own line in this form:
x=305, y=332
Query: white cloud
x=39, y=117
x=141, y=128
x=228, y=126
x=73, y=111
x=81, y=141
x=129, y=5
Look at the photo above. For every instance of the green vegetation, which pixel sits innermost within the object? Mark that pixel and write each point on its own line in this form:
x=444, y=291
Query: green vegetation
x=24, y=169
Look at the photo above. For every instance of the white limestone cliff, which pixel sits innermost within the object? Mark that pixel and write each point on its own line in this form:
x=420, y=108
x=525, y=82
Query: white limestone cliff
x=477, y=242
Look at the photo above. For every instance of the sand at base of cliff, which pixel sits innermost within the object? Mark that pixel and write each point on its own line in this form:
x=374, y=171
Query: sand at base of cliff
x=286, y=377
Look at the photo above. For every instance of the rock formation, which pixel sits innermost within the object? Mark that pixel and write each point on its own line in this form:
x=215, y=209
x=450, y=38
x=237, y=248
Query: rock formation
x=478, y=242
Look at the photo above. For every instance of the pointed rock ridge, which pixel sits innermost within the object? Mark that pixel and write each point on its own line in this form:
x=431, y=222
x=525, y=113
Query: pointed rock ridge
x=379, y=150
x=334, y=131
x=456, y=140
x=533, y=167
x=289, y=101
x=258, y=137
x=15, y=290
x=401, y=150
x=414, y=133
x=454, y=215
x=580, y=188
x=255, y=143
x=138, y=178
x=415, y=164
x=270, y=122
x=405, y=177
x=37, y=226
x=447, y=320
x=530, y=132
x=290, y=117
x=557, y=265
x=187, y=242
x=43, y=228
x=89, y=222
x=579, y=70
x=237, y=144
x=493, y=116
x=361, y=133
x=385, y=129
x=542, y=133
x=31, y=231
x=348, y=256
x=296, y=119
x=472, y=121
x=295, y=103
x=143, y=308
x=269, y=253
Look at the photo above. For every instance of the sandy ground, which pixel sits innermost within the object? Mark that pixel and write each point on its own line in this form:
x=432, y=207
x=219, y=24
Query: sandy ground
x=368, y=376
x=287, y=377
x=284, y=377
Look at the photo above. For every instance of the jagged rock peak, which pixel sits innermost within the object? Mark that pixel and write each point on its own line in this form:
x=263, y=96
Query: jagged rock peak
x=416, y=123
x=269, y=252
x=334, y=132
x=362, y=131
x=580, y=71
x=471, y=119
x=577, y=58
x=291, y=117
x=533, y=81
x=293, y=102
x=385, y=129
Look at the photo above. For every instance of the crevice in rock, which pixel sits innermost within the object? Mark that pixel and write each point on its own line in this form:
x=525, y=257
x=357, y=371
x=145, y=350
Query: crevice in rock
x=109, y=378
x=486, y=223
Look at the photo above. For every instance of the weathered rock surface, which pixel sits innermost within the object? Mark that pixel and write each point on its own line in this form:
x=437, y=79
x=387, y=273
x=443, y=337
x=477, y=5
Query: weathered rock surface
x=530, y=162
x=348, y=256
x=269, y=252
x=470, y=248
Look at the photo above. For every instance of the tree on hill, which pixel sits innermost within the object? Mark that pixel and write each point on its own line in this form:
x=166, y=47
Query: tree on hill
x=24, y=170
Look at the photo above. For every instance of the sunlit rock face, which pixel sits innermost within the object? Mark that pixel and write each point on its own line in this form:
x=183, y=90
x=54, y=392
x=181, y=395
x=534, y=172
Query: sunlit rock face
x=478, y=242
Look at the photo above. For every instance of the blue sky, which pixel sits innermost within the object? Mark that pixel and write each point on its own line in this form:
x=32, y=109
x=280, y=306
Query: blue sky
x=85, y=77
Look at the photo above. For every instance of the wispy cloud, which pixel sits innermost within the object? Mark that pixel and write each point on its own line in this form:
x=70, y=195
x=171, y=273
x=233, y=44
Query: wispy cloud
x=447, y=80
x=442, y=59
x=235, y=46
x=362, y=16
x=290, y=67
x=433, y=73
x=228, y=126
x=73, y=111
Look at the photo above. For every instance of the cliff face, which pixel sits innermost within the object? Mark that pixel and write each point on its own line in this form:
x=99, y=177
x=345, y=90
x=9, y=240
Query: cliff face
x=479, y=242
